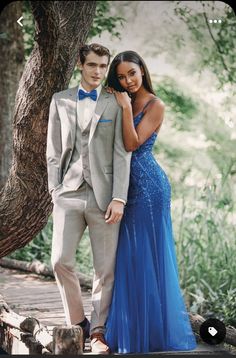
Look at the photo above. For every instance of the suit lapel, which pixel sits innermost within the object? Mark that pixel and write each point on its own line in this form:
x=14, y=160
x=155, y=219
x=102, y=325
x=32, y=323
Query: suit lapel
x=100, y=107
x=72, y=111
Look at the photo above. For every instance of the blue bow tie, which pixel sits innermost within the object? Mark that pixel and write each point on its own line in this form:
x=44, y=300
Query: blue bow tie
x=93, y=94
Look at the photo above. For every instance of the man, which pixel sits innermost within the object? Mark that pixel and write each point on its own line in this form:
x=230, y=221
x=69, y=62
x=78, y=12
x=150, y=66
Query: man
x=88, y=177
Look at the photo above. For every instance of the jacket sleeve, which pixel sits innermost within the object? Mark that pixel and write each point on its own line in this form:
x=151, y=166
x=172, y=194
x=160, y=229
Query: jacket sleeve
x=121, y=162
x=54, y=146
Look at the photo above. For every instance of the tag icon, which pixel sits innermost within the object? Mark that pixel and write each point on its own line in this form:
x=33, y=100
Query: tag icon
x=212, y=331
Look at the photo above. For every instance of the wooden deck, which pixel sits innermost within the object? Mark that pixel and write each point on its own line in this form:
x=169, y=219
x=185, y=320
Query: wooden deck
x=32, y=295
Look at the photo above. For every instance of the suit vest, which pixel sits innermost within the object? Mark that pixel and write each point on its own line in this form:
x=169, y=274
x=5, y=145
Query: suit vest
x=79, y=167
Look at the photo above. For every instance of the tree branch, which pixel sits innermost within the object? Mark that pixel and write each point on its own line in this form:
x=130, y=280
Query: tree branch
x=214, y=40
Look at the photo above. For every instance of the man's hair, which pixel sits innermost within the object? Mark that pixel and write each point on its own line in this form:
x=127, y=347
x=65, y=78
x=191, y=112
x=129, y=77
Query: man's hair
x=96, y=48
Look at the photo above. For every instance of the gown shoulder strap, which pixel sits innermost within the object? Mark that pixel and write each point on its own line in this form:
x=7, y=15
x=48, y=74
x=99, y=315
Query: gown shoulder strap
x=151, y=100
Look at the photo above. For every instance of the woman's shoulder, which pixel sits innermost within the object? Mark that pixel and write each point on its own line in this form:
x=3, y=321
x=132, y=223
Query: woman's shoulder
x=155, y=104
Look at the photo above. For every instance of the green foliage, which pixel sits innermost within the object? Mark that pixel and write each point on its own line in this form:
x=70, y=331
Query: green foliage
x=215, y=42
x=175, y=155
x=206, y=249
x=177, y=102
x=28, y=29
x=103, y=21
x=223, y=153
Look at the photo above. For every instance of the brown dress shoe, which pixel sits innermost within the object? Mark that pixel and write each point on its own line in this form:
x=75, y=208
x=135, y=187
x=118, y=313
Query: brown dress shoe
x=98, y=344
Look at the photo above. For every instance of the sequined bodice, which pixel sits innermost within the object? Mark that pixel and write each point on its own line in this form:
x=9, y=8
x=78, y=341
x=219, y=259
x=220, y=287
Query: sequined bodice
x=148, y=145
x=149, y=184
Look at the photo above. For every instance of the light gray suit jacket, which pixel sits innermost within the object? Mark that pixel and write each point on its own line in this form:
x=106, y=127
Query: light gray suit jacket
x=109, y=161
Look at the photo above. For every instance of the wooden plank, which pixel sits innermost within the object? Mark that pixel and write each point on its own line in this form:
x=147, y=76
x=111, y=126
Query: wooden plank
x=36, y=298
x=40, y=268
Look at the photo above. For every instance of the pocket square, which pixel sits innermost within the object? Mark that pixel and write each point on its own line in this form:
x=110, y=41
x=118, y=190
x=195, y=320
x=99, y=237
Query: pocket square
x=104, y=120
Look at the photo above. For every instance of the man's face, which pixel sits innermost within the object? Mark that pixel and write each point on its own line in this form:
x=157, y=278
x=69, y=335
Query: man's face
x=93, y=70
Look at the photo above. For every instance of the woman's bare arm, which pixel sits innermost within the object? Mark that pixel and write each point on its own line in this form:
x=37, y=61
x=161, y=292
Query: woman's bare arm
x=151, y=121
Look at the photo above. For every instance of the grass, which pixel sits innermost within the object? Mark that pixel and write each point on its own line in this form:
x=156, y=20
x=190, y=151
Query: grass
x=206, y=251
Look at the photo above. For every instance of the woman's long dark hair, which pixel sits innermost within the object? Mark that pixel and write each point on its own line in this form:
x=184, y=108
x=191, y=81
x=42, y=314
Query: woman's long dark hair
x=128, y=56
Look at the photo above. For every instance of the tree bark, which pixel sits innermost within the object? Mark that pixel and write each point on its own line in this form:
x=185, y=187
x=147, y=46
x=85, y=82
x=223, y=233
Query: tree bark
x=25, y=204
x=11, y=67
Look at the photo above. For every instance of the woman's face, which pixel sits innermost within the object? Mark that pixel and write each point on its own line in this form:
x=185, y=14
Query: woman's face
x=129, y=75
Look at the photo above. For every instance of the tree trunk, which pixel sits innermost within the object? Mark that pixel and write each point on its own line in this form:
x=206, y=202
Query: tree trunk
x=25, y=204
x=11, y=66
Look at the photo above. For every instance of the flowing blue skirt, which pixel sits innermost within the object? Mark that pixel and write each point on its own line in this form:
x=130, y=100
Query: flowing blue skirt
x=147, y=311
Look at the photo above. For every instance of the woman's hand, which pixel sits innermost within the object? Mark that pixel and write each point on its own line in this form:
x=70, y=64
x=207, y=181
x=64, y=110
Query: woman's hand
x=109, y=89
x=123, y=99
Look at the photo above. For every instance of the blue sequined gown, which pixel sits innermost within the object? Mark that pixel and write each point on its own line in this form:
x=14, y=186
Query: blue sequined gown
x=147, y=311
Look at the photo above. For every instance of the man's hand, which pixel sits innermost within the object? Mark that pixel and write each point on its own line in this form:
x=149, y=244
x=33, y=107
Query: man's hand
x=114, y=212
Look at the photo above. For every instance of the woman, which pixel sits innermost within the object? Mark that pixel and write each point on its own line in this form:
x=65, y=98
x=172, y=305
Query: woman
x=147, y=312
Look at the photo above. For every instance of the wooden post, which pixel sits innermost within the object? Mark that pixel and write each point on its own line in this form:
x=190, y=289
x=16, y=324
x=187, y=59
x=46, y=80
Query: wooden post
x=40, y=332
x=67, y=340
x=22, y=335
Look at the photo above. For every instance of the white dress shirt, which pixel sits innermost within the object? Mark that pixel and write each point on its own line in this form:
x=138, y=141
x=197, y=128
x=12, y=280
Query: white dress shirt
x=85, y=110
